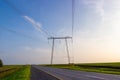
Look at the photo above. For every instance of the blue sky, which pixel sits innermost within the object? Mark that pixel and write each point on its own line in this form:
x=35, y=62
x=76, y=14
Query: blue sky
x=96, y=30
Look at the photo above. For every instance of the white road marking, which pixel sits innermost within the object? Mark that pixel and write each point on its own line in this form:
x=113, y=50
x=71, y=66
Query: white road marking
x=96, y=77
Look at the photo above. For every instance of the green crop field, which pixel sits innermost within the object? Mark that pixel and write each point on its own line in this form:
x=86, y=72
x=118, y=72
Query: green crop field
x=8, y=69
x=17, y=73
x=109, y=68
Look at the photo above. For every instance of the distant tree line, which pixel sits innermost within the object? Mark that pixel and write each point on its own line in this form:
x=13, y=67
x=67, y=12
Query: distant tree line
x=1, y=63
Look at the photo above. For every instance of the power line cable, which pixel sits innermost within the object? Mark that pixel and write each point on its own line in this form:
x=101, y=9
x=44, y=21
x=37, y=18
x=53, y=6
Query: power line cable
x=73, y=9
x=18, y=33
x=21, y=13
x=13, y=6
x=45, y=32
x=73, y=15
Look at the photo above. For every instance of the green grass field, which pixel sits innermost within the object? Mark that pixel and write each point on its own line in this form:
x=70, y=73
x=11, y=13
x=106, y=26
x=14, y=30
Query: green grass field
x=109, y=68
x=22, y=73
x=8, y=69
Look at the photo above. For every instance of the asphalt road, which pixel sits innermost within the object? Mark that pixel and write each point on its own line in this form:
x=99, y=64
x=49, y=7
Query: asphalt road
x=37, y=74
x=65, y=74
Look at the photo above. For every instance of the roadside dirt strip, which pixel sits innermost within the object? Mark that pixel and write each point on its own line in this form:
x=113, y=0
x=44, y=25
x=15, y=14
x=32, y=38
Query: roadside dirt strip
x=37, y=74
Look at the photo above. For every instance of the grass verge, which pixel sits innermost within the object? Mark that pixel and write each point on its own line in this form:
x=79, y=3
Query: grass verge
x=7, y=70
x=22, y=74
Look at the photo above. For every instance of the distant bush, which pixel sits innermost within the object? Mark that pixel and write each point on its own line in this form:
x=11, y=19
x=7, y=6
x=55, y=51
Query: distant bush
x=1, y=63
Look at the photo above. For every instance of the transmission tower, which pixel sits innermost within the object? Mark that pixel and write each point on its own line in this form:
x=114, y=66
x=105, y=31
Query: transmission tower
x=53, y=43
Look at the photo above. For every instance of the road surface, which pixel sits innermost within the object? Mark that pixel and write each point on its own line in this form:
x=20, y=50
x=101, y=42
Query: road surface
x=37, y=74
x=64, y=74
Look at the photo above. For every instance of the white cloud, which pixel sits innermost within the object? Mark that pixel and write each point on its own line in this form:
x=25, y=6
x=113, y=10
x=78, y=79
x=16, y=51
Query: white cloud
x=104, y=43
x=97, y=6
x=36, y=50
x=63, y=32
x=27, y=48
x=37, y=25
